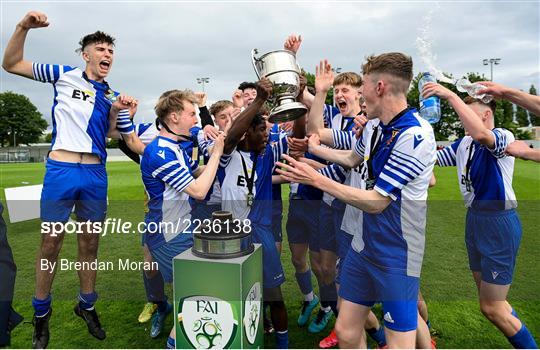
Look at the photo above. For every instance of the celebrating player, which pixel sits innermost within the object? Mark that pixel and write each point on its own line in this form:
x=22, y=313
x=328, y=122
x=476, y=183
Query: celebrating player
x=75, y=170
x=384, y=264
x=492, y=229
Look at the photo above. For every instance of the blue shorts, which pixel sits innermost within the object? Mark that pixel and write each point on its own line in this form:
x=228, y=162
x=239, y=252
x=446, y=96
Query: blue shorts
x=492, y=239
x=303, y=222
x=165, y=253
x=343, y=240
x=273, y=275
x=277, y=218
x=73, y=184
x=327, y=228
x=365, y=283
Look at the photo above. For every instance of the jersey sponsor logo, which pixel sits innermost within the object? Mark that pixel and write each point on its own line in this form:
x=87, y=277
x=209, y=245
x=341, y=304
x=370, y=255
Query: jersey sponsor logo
x=417, y=140
x=388, y=317
x=161, y=154
x=241, y=181
x=83, y=95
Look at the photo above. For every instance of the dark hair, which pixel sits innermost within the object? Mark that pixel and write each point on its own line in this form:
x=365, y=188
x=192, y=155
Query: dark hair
x=97, y=37
x=492, y=104
x=257, y=120
x=247, y=85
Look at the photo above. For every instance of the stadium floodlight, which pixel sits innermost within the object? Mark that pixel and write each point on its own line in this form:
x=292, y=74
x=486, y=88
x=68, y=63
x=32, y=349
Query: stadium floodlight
x=203, y=81
x=491, y=62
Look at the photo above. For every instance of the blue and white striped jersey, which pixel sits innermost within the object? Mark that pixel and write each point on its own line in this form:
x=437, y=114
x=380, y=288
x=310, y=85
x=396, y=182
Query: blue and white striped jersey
x=402, y=165
x=353, y=217
x=80, y=111
x=335, y=121
x=234, y=188
x=166, y=172
x=484, y=175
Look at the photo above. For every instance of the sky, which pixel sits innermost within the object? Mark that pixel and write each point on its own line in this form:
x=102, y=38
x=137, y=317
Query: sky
x=165, y=45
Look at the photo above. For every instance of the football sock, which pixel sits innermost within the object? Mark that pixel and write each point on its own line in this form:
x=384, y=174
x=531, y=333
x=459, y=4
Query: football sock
x=523, y=339
x=304, y=281
x=377, y=335
x=171, y=343
x=87, y=301
x=329, y=296
x=41, y=306
x=282, y=340
x=156, y=289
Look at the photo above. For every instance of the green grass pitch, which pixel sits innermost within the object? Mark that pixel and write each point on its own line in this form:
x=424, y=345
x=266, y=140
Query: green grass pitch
x=446, y=281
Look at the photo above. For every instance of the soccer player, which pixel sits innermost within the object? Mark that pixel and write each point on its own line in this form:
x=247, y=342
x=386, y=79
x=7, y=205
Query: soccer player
x=245, y=176
x=244, y=95
x=75, y=174
x=492, y=229
x=346, y=88
x=384, y=263
x=170, y=176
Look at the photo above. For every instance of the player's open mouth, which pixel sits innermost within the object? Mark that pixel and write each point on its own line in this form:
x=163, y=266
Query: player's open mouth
x=342, y=105
x=105, y=65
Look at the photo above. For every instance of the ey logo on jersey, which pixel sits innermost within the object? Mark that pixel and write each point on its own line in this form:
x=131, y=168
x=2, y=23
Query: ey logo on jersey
x=241, y=180
x=83, y=95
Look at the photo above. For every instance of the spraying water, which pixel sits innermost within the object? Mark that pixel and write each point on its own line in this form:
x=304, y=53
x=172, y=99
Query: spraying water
x=424, y=44
x=424, y=47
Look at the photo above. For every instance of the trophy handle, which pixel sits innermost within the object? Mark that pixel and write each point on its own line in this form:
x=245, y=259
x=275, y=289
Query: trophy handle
x=254, y=61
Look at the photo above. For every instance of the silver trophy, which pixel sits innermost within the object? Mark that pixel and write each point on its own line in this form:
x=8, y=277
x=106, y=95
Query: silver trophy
x=281, y=69
x=221, y=238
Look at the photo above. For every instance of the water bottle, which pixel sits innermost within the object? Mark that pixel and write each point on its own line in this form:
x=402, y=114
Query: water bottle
x=464, y=85
x=430, y=108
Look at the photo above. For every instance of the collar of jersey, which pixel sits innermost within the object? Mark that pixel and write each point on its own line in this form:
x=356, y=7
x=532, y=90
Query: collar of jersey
x=176, y=142
x=102, y=86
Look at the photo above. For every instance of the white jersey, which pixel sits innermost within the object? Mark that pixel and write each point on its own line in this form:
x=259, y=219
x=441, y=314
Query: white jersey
x=80, y=112
x=335, y=121
x=352, y=218
x=484, y=175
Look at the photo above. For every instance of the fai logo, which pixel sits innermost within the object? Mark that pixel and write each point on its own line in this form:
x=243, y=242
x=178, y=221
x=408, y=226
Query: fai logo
x=207, y=322
x=252, y=312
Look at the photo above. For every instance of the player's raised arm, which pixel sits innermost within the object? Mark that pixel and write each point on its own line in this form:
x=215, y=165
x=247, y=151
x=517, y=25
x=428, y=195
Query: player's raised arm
x=241, y=124
x=471, y=122
x=324, y=78
x=346, y=158
x=521, y=98
x=14, y=61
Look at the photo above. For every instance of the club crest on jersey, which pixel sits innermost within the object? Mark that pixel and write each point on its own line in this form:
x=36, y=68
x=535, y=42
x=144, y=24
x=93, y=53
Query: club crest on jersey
x=395, y=132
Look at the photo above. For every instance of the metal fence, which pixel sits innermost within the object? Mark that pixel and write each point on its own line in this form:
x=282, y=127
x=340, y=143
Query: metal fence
x=23, y=154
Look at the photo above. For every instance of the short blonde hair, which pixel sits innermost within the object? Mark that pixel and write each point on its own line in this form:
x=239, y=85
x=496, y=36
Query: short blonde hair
x=348, y=78
x=218, y=106
x=173, y=101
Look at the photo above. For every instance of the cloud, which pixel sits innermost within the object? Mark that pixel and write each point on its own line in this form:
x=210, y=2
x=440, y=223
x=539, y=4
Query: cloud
x=166, y=45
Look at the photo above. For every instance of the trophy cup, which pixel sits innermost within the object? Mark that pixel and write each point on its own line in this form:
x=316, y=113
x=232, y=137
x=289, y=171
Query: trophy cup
x=222, y=238
x=281, y=69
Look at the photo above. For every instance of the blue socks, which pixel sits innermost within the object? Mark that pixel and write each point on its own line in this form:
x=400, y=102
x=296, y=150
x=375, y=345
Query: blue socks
x=171, y=343
x=87, y=301
x=523, y=339
x=155, y=288
x=377, y=335
x=304, y=281
x=41, y=306
x=282, y=340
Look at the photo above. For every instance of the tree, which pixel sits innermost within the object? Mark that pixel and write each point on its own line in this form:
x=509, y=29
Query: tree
x=449, y=125
x=535, y=120
x=20, y=121
x=311, y=84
